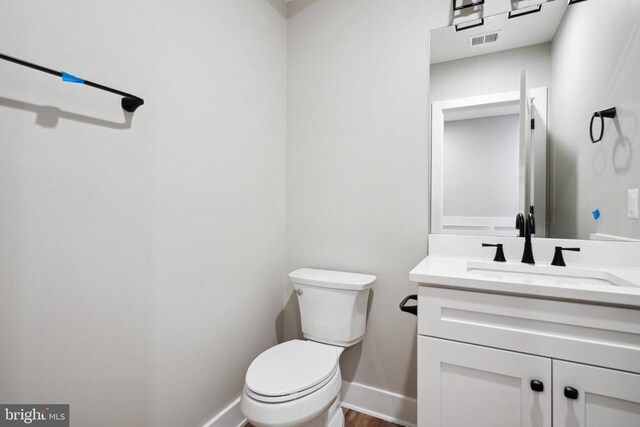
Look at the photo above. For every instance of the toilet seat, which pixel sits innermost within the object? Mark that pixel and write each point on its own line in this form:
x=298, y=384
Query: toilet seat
x=289, y=397
x=291, y=370
x=295, y=412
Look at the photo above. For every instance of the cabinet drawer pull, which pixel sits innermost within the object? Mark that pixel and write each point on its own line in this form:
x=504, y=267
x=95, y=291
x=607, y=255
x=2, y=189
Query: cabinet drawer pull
x=537, y=385
x=570, y=393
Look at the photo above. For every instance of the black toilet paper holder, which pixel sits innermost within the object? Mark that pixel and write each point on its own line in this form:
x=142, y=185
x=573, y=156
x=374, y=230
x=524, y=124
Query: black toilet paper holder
x=412, y=309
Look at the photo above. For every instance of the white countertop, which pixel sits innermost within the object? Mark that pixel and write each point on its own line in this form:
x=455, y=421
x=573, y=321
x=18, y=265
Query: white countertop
x=452, y=271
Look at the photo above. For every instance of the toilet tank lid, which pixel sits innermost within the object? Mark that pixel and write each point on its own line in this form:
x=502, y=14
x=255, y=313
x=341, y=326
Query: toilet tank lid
x=332, y=279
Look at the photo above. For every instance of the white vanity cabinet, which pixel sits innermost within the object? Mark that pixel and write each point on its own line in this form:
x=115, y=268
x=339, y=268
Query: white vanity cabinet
x=605, y=397
x=469, y=385
x=491, y=360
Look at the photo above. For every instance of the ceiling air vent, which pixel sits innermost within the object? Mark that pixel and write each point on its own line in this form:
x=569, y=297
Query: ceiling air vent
x=484, y=39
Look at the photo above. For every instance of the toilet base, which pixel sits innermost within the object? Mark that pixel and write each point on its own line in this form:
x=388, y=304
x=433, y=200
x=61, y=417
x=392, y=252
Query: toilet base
x=335, y=414
x=333, y=417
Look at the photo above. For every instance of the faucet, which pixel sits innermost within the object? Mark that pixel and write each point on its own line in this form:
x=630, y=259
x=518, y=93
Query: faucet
x=558, y=259
x=526, y=228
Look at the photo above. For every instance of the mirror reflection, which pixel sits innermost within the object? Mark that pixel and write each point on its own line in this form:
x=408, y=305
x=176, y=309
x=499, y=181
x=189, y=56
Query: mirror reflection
x=538, y=110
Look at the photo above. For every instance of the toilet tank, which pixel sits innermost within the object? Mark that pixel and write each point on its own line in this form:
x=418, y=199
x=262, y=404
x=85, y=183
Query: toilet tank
x=333, y=304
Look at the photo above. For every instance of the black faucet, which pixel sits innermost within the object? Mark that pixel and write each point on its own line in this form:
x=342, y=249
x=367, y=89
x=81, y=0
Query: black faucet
x=526, y=228
x=499, y=251
x=558, y=259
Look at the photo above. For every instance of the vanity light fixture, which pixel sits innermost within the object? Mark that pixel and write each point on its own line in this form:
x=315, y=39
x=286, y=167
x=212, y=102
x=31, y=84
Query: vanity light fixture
x=460, y=4
x=470, y=24
x=525, y=11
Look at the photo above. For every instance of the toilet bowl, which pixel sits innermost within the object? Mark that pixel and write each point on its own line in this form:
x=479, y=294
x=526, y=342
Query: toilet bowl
x=297, y=383
x=292, y=384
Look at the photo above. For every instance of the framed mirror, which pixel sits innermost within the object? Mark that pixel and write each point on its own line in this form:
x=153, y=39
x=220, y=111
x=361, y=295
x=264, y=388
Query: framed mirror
x=538, y=108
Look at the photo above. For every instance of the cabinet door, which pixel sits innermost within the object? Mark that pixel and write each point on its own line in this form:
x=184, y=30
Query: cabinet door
x=604, y=397
x=468, y=385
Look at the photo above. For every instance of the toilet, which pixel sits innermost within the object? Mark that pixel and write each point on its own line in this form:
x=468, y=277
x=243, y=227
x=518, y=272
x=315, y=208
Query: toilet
x=297, y=383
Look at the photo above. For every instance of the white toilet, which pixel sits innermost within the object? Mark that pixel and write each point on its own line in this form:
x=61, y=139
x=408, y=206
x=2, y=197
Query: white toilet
x=297, y=383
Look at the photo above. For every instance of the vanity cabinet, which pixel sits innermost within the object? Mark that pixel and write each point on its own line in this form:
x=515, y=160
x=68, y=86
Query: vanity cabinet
x=469, y=385
x=605, y=397
x=491, y=360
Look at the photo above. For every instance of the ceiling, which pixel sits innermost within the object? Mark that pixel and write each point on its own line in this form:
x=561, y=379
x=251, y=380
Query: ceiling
x=521, y=31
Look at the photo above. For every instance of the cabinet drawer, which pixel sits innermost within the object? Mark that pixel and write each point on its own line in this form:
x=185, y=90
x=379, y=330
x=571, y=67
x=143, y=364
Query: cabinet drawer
x=592, y=334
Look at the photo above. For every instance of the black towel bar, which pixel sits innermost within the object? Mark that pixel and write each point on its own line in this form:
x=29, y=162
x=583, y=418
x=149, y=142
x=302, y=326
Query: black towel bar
x=129, y=102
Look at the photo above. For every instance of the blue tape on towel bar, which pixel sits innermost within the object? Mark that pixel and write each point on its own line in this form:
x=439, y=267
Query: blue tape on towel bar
x=66, y=77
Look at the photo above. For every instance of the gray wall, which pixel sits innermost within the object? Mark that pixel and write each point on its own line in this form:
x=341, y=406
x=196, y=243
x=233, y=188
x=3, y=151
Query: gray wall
x=493, y=73
x=142, y=267
x=357, y=164
x=596, y=58
x=357, y=160
x=481, y=166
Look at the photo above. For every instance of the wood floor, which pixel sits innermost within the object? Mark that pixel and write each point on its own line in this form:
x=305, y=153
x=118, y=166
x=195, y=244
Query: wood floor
x=357, y=419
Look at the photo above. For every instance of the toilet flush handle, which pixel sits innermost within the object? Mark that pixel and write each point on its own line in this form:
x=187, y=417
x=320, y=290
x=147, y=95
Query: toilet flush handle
x=298, y=292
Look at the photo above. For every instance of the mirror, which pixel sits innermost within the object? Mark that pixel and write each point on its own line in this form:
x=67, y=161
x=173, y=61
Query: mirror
x=538, y=107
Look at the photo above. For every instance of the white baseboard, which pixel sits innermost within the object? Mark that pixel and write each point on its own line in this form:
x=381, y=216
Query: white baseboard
x=383, y=404
x=231, y=416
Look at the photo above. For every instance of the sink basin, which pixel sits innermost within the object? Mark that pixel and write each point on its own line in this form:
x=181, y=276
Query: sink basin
x=547, y=274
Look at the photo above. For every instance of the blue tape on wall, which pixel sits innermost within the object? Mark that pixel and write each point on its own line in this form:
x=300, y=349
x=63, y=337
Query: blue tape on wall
x=66, y=77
